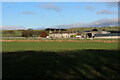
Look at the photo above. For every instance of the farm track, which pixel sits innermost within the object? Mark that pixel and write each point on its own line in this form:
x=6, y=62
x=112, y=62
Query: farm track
x=108, y=41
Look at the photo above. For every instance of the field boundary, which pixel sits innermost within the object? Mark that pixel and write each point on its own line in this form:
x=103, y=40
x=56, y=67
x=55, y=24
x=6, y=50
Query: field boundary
x=108, y=41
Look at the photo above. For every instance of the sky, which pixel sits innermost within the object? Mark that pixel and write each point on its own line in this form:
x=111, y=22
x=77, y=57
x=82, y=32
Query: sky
x=60, y=0
x=41, y=15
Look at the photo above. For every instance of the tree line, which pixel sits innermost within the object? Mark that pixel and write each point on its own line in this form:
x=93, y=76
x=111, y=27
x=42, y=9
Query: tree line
x=31, y=33
x=27, y=33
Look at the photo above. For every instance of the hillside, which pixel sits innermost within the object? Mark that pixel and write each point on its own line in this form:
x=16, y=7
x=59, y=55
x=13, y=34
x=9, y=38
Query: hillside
x=90, y=28
x=17, y=33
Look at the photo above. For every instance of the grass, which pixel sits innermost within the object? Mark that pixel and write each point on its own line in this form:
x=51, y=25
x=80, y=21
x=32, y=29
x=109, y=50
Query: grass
x=53, y=60
x=55, y=46
x=70, y=64
x=60, y=39
x=16, y=33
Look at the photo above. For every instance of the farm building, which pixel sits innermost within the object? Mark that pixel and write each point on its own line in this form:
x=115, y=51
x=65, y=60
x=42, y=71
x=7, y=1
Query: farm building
x=108, y=34
x=91, y=34
x=59, y=33
x=63, y=34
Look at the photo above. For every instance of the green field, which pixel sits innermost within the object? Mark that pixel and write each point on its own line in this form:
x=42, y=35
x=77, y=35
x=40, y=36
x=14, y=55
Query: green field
x=55, y=46
x=33, y=60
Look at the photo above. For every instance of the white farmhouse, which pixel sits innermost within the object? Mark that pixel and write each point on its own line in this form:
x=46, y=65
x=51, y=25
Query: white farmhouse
x=63, y=34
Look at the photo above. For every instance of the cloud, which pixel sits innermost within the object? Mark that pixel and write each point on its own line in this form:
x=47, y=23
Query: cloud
x=106, y=12
x=11, y=27
x=105, y=22
x=98, y=23
x=91, y=8
x=29, y=13
x=50, y=6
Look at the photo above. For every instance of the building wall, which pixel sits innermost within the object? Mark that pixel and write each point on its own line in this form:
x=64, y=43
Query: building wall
x=61, y=35
x=84, y=34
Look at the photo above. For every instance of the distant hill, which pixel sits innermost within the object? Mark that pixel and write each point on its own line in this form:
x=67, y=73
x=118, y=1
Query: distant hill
x=99, y=23
x=115, y=28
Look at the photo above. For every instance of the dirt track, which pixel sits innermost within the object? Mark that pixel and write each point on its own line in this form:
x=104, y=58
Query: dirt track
x=109, y=41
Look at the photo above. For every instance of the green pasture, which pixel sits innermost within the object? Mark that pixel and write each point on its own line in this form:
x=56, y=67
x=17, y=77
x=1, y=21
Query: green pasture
x=58, y=60
x=40, y=38
x=55, y=46
x=17, y=33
